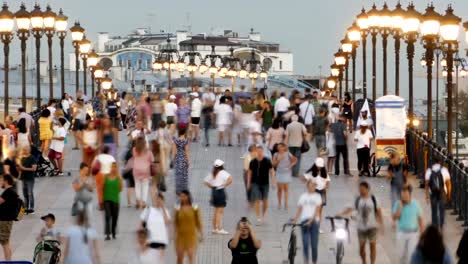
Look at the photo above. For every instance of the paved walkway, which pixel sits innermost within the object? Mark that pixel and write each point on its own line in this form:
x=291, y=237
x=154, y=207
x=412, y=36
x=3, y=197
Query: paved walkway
x=55, y=195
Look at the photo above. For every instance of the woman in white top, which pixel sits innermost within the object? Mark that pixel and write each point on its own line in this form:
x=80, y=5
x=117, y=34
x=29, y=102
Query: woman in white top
x=156, y=220
x=218, y=180
x=89, y=141
x=24, y=138
x=308, y=214
x=275, y=135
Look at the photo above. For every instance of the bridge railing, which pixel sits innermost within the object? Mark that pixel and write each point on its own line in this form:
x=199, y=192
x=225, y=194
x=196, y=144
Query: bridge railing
x=421, y=153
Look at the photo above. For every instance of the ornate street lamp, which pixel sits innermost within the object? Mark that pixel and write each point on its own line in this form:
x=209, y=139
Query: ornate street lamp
x=374, y=25
x=61, y=24
x=167, y=59
x=410, y=29
x=232, y=63
x=98, y=74
x=6, y=34
x=49, y=29
x=93, y=59
x=449, y=30
x=253, y=74
x=340, y=61
x=430, y=34
x=77, y=34
x=398, y=19
x=85, y=47
x=363, y=24
x=331, y=83
x=106, y=83
x=192, y=66
x=23, y=22
x=347, y=48
x=354, y=35
x=37, y=23
x=465, y=25
x=335, y=70
x=385, y=27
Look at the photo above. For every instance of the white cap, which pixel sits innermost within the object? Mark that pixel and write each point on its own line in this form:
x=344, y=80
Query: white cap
x=363, y=123
x=320, y=162
x=194, y=94
x=363, y=110
x=218, y=163
x=172, y=96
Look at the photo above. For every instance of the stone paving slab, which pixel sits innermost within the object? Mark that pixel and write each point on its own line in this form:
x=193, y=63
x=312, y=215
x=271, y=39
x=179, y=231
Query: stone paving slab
x=56, y=194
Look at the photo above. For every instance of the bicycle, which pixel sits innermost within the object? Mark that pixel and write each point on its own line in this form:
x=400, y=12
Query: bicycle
x=341, y=229
x=292, y=244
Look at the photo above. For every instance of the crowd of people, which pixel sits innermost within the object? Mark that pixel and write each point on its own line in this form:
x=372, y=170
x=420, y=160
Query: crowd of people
x=273, y=132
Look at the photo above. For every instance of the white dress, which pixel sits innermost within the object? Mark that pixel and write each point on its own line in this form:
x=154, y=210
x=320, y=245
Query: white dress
x=330, y=144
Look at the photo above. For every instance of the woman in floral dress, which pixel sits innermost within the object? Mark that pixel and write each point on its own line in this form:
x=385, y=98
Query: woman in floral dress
x=180, y=157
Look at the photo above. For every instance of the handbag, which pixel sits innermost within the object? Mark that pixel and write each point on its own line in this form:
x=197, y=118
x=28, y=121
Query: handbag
x=96, y=167
x=305, y=147
x=88, y=150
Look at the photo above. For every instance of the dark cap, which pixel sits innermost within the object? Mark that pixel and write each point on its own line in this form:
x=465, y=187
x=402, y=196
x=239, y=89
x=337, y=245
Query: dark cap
x=49, y=215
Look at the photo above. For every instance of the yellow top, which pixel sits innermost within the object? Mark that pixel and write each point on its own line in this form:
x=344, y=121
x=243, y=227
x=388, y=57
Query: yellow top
x=45, y=131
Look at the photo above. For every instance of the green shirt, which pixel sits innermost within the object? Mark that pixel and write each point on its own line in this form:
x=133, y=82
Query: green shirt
x=267, y=118
x=111, y=189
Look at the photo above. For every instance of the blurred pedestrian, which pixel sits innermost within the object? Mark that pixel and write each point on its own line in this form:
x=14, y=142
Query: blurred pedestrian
x=181, y=160
x=195, y=115
x=319, y=128
x=142, y=162
x=158, y=109
x=27, y=167
x=217, y=181
x=438, y=190
x=409, y=217
x=295, y=135
x=8, y=206
x=109, y=135
x=84, y=191
x=462, y=253
x=347, y=110
x=45, y=131
x=340, y=135
x=398, y=174
x=283, y=161
x=431, y=248
x=146, y=254
x=89, y=141
x=274, y=136
x=363, y=140
x=183, y=114
x=188, y=228
x=244, y=244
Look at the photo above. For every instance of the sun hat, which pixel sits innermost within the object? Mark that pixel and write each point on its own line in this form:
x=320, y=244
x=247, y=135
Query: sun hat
x=319, y=162
x=218, y=163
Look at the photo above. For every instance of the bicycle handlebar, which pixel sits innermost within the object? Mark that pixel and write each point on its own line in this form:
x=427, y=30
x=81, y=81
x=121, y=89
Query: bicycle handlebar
x=290, y=224
x=333, y=218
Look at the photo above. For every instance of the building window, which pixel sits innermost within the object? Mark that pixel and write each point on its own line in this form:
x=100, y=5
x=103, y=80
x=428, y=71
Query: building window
x=280, y=65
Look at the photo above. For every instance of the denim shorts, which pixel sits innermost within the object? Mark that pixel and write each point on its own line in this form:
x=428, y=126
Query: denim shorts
x=259, y=192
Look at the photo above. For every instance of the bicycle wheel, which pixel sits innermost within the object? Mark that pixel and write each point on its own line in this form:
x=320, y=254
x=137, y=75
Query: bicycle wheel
x=292, y=248
x=373, y=167
x=339, y=252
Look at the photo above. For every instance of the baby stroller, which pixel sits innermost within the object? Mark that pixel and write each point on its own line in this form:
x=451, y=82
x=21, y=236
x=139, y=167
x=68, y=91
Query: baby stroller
x=47, y=252
x=44, y=167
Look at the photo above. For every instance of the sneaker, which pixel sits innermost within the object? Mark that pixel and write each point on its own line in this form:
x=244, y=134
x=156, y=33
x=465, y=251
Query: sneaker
x=223, y=232
x=107, y=238
x=229, y=145
x=207, y=145
x=31, y=212
x=321, y=231
x=259, y=221
x=214, y=231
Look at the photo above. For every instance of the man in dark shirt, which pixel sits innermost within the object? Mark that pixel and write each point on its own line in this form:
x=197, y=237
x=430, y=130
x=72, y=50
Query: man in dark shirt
x=8, y=204
x=339, y=132
x=244, y=245
x=258, y=182
x=28, y=168
x=397, y=173
x=9, y=165
x=113, y=113
x=319, y=128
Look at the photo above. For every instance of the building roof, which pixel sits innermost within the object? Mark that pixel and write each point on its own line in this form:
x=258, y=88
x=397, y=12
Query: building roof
x=209, y=41
x=153, y=40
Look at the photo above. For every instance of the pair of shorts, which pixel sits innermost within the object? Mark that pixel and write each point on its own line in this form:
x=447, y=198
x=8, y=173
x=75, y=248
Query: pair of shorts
x=222, y=128
x=156, y=245
x=130, y=182
x=195, y=120
x=54, y=155
x=218, y=198
x=259, y=192
x=77, y=125
x=5, y=232
x=323, y=195
x=367, y=235
x=170, y=120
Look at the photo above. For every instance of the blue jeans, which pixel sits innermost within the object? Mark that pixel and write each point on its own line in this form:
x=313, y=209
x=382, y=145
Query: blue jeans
x=28, y=187
x=296, y=152
x=396, y=192
x=310, y=236
x=320, y=142
x=437, y=211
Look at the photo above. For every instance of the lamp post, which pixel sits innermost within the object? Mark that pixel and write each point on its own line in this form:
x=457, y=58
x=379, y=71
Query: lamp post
x=49, y=29
x=438, y=51
x=374, y=23
x=61, y=23
x=253, y=63
x=106, y=83
x=449, y=27
x=397, y=27
x=23, y=21
x=331, y=82
x=430, y=34
x=410, y=28
x=340, y=61
x=37, y=23
x=6, y=35
x=213, y=69
x=85, y=46
x=354, y=35
x=77, y=34
x=363, y=23
x=98, y=74
x=93, y=59
x=385, y=26
x=458, y=62
x=335, y=73
x=165, y=60
x=347, y=48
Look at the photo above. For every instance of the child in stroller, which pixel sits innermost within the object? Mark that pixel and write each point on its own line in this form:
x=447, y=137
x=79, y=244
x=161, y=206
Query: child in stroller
x=44, y=167
x=48, y=251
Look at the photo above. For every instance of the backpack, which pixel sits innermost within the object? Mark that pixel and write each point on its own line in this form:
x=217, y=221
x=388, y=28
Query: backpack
x=20, y=210
x=436, y=183
x=374, y=201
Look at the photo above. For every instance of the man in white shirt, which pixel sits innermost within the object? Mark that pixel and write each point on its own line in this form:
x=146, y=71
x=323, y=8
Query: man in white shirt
x=363, y=140
x=281, y=105
x=208, y=98
x=223, y=121
x=105, y=159
x=57, y=145
x=438, y=190
x=196, y=108
x=307, y=112
x=170, y=112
